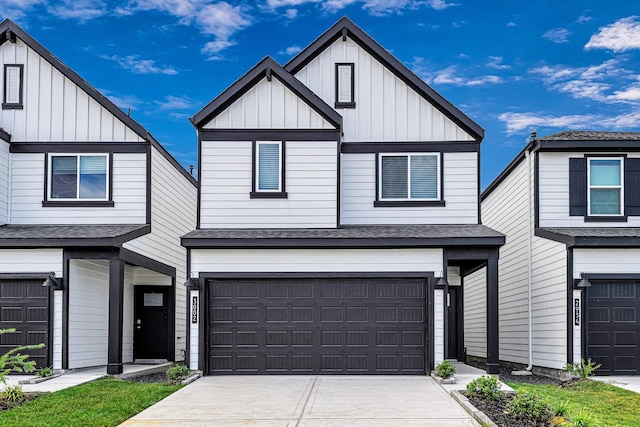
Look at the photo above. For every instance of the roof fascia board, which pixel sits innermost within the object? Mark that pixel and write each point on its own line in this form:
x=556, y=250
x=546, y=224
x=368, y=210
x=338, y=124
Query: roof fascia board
x=250, y=79
x=388, y=60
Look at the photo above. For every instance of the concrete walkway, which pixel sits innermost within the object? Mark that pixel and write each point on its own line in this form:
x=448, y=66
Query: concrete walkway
x=625, y=382
x=76, y=377
x=307, y=401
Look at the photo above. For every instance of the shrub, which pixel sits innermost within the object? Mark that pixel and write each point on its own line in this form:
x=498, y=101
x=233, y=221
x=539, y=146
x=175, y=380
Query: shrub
x=583, y=369
x=12, y=359
x=486, y=388
x=176, y=374
x=581, y=419
x=45, y=372
x=14, y=394
x=561, y=409
x=445, y=369
x=530, y=407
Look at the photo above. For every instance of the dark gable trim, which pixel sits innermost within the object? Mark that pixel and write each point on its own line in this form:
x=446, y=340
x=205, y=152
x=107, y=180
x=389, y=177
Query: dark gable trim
x=173, y=161
x=589, y=241
x=411, y=147
x=352, y=102
x=316, y=275
x=19, y=104
x=76, y=242
x=8, y=25
x=389, y=61
x=79, y=147
x=260, y=134
x=5, y=136
x=148, y=188
x=265, y=68
x=371, y=243
x=135, y=258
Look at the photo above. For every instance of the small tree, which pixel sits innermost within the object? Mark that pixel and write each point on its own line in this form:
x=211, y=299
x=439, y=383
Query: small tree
x=13, y=359
x=583, y=369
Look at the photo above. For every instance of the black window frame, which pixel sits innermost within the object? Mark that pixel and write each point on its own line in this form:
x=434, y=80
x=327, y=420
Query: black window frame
x=438, y=202
x=13, y=105
x=268, y=194
x=352, y=102
x=48, y=201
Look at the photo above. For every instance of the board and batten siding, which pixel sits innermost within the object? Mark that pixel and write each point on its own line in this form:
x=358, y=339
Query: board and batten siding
x=310, y=183
x=88, y=313
x=57, y=329
x=269, y=105
x=173, y=214
x=315, y=260
x=54, y=107
x=387, y=109
x=28, y=188
x=606, y=261
x=4, y=182
x=475, y=313
x=438, y=326
x=31, y=261
x=127, y=315
x=460, y=193
x=554, y=193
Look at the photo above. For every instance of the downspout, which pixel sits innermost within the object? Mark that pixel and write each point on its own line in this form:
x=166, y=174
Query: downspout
x=529, y=249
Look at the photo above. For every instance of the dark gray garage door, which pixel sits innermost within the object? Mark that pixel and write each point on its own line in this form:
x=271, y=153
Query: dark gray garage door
x=353, y=326
x=613, y=328
x=24, y=305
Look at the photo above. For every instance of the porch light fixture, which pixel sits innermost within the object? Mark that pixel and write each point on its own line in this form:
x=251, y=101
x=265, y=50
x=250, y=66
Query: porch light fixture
x=583, y=283
x=442, y=281
x=52, y=281
x=192, y=282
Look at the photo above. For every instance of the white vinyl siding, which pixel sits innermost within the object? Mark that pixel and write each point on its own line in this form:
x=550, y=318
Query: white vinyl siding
x=57, y=329
x=269, y=105
x=226, y=183
x=316, y=260
x=173, y=214
x=4, y=182
x=475, y=314
x=27, y=192
x=31, y=261
x=554, y=193
x=438, y=326
x=606, y=260
x=460, y=193
x=55, y=108
x=387, y=109
x=88, y=313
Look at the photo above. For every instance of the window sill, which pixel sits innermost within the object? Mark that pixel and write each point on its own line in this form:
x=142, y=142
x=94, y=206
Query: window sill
x=12, y=106
x=268, y=195
x=345, y=105
x=408, y=203
x=77, y=204
x=605, y=218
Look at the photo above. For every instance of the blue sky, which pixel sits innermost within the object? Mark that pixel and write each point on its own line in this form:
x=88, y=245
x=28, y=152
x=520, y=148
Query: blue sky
x=512, y=66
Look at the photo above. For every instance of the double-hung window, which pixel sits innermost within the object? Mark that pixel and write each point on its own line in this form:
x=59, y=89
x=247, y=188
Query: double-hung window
x=82, y=177
x=409, y=177
x=268, y=170
x=605, y=190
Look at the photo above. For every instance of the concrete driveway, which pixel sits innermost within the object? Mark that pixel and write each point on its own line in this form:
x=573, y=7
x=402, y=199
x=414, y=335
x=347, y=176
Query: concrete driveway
x=307, y=401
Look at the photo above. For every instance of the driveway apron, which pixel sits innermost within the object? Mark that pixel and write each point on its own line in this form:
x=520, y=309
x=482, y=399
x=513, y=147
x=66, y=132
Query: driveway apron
x=307, y=401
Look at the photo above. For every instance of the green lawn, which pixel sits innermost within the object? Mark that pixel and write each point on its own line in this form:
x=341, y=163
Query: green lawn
x=106, y=402
x=604, y=404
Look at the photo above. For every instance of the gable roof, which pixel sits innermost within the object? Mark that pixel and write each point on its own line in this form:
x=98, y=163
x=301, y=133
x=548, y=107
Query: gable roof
x=591, y=135
x=9, y=30
x=267, y=68
x=345, y=27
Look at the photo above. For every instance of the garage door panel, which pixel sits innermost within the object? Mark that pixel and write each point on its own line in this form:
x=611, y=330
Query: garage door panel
x=317, y=326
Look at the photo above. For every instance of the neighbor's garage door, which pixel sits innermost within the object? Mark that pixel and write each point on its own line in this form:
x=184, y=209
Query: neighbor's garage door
x=24, y=305
x=613, y=328
x=352, y=326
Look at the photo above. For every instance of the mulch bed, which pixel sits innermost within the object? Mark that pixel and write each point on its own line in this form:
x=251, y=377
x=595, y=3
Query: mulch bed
x=159, y=377
x=6, y=404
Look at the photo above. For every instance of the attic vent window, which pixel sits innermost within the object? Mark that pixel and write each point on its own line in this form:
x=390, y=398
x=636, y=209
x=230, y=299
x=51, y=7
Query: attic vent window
x=12, y=86
x=345, y=86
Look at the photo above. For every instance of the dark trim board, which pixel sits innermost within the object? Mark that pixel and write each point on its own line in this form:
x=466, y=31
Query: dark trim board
x=316, y=275
x=612, y=276
x=79, y=147
x=5, y=136
x=136, y=259
x=78, y=203
x=20, y=276
x=411, y=147
x=589, y=241
x=267, y=134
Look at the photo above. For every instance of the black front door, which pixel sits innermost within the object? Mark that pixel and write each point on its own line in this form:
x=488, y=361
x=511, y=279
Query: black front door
x=151, y=322
x=452, y=318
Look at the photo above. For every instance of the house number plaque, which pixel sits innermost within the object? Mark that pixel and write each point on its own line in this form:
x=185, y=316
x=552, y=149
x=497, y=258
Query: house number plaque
x=194, y=310
x=576, y=312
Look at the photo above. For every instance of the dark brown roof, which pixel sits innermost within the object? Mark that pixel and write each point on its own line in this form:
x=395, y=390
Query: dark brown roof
x=69, y=235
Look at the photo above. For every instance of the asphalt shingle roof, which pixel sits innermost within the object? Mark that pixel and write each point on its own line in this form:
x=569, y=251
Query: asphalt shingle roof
x=595, y=231
x=48, y=235
x=588, y=135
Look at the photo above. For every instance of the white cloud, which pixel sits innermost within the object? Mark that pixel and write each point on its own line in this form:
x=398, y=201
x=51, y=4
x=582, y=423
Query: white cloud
x=448, y=76
x=511, y=24
x=174, y=103
x=336, y=5
x=274, y=4
x=291, y=13
x=524, y=122
x=620, y=36
x=557, y=35
x=82, y=10
x=374, y=7
x=630, y=93
x=124, y=102
x=137, y=65
x=440, y=4
x=291, y=50
x=17, y=9
x=496, y=62
x=583, y=19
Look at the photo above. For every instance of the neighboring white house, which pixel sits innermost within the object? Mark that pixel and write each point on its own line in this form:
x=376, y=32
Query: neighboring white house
x=569, y=205
x=334, y=194
x=87, y=194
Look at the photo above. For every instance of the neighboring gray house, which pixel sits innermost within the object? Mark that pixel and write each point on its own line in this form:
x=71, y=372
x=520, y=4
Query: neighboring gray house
x=334, y=194
x=88, y=194
x=569, y=204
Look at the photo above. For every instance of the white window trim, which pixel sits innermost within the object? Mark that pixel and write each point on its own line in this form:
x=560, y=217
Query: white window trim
x=408, y=199
x=257, y=171
x=621, y=186
x=77, y=198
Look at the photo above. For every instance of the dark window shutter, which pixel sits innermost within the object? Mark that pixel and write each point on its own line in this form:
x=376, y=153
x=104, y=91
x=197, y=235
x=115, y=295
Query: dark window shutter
x=632, y=187
x=578, y=186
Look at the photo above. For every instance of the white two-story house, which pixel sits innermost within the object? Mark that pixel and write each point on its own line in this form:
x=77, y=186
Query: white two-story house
x=569, y=204
x=338, y=215
x=92, y=207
